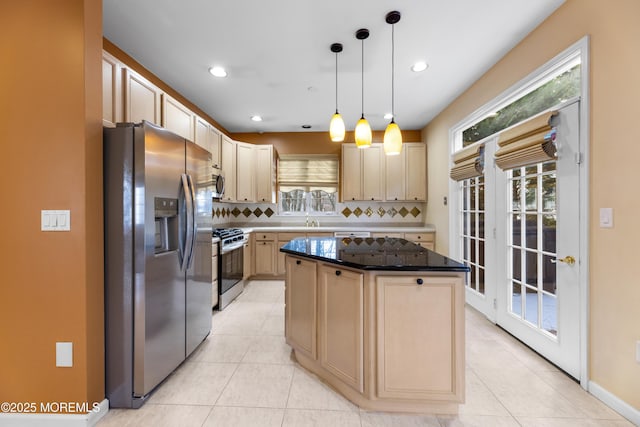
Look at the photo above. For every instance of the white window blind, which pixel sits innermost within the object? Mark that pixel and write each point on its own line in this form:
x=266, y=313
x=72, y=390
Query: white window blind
x=468, y=163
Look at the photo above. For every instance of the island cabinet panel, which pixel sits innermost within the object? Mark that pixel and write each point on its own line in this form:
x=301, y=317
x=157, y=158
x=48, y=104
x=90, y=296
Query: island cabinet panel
x=301, y=296
x=340, y=328
x=419, y=324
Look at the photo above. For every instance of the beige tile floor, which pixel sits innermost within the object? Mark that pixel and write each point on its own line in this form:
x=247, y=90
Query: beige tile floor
x=243, y=375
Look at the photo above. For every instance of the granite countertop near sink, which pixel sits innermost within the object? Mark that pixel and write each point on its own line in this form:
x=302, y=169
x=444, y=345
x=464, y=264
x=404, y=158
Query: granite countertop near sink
x=386, y=254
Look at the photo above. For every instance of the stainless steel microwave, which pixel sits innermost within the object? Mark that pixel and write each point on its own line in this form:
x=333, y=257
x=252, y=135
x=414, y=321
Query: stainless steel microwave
x=218, y=184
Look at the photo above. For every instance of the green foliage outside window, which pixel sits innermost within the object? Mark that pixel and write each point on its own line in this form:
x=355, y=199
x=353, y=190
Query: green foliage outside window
x=563, y=87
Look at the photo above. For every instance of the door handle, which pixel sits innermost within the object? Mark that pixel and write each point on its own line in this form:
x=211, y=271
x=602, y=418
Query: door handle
x=187, y=242
x=569, y=260
x=194, y=225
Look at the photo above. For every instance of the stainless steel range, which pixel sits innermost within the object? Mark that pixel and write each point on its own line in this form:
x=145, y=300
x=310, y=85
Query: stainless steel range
x=230, y=264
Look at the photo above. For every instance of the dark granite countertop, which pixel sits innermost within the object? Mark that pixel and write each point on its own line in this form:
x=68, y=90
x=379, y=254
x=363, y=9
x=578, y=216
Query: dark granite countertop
x=388, y=254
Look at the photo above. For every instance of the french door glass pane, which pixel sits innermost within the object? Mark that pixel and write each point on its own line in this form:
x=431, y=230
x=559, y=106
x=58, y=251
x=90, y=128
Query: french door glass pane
x=472, y=231
x=533, y=245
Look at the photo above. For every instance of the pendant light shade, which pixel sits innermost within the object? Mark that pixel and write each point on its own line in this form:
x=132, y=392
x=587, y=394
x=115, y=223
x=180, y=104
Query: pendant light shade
x=336, y=127
x=392, y=135
x=363, y=130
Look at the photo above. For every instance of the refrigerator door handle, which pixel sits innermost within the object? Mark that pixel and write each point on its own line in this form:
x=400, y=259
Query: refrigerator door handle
x=188, y=241
x=194, y=226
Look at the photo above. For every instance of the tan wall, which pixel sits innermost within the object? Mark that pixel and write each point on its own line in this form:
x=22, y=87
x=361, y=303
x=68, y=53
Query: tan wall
x=51, y=134
x=312, y=142
x=615, y=90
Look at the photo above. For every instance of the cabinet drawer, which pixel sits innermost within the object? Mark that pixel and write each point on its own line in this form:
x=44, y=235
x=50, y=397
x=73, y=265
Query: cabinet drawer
x=265, y=236
x=392, y=235
x=285, y=237
x=420, y=237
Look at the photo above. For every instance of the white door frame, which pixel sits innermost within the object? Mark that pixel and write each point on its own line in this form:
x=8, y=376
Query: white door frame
x=580, y=50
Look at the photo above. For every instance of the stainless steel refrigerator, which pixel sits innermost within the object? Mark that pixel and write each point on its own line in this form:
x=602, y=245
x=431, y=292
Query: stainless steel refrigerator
x=157, y=192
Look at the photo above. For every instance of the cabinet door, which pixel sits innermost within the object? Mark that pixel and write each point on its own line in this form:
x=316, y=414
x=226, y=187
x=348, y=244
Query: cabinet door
x=340, y=331
x=301, y=305
x=264, y=253
x=142, y=99
x=215, y=141
x=111, y=90
x=280, y=257
x=420, y=337
x=247, y=259
x=244, y=179
x=416, y=172
x=395, y=185
x=351, y=172
x=177, y=118
x=229, y=168
x=373, y=172
x=265, y=174
x=202, y=134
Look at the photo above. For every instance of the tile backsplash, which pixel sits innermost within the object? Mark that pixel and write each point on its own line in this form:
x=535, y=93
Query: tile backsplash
x=396, y=213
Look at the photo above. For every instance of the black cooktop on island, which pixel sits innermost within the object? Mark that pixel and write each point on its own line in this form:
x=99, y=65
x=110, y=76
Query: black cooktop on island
x=372, y=254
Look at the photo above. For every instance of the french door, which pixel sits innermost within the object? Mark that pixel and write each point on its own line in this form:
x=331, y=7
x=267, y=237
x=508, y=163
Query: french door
x=529, y=282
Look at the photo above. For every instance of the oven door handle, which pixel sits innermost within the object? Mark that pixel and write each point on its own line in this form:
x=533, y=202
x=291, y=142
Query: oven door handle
x=232, y=247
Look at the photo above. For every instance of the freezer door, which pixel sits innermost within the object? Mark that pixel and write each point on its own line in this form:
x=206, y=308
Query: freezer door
x=199, y=168
x=159, y=327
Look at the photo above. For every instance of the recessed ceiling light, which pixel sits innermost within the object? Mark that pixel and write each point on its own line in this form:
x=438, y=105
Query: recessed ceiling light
x=419, y=66
x=256, y=118
x=218, y=71
x=388, y=116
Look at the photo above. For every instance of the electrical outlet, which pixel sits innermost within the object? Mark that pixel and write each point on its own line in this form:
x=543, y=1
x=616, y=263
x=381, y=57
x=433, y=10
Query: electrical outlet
x=638, y=351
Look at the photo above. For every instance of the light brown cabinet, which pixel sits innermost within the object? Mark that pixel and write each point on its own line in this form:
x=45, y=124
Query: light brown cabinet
x=245, y=172
x=301, y=293
x=265, y=174
x=406, y=174
x=362, y=172
x=265, y=250
x=141, y=99
x=111, y=90
x=341, y=324
x=420, y=330
x=214, y=274
x=424, y=239
x=229, y=164
x=208, y=137
x=177, y=118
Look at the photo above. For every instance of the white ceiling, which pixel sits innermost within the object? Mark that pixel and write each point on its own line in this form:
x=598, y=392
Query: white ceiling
x=280, y=66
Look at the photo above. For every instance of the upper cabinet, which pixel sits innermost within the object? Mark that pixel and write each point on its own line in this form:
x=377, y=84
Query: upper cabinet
x=245, y=172
x=229, y=166
x=111, y=90
x=141, y=99
x=177, y=118
x=406, y=174
x=416, y=171
x=208, y=138
x=265, y=173
x=362, y=172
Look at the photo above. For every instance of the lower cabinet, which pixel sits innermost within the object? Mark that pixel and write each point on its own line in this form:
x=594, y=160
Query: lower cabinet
x=265, y=254
x=419, y=331
x=301, y=294
x=341, y=323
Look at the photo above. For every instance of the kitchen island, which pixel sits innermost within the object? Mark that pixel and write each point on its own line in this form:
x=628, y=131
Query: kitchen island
x=381, y=320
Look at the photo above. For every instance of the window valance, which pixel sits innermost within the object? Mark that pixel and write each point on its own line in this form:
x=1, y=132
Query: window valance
x=530, y=142
x=468, y=163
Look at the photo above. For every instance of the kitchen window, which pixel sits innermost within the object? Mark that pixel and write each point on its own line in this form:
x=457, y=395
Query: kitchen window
x=307, y=184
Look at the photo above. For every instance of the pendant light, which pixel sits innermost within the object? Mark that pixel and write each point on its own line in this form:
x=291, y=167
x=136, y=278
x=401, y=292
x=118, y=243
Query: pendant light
x=392, y=136
x=363, y=130
x=336, y=127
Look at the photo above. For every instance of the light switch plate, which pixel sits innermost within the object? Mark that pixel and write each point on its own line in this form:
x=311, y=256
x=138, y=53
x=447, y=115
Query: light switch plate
x=606, y=217
x=58, y=220
x=64, y=354
x=638, y=351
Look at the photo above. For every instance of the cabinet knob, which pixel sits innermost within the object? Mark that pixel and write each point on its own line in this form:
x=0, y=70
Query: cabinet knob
x=372, y=198
x=419, y=281
x=415, y=198
x=353, y=198
x=418, y=237
x=338, y=272
x=245, y=199
x=298, y=262
x=396, y=198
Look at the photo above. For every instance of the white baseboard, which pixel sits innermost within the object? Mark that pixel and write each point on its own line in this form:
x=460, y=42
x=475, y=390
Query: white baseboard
x=55, y=420
x=615, y=403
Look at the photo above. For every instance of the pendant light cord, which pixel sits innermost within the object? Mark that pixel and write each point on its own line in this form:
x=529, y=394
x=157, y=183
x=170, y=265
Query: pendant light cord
x=362, y=80
x=336, y=82
x=393, y=44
